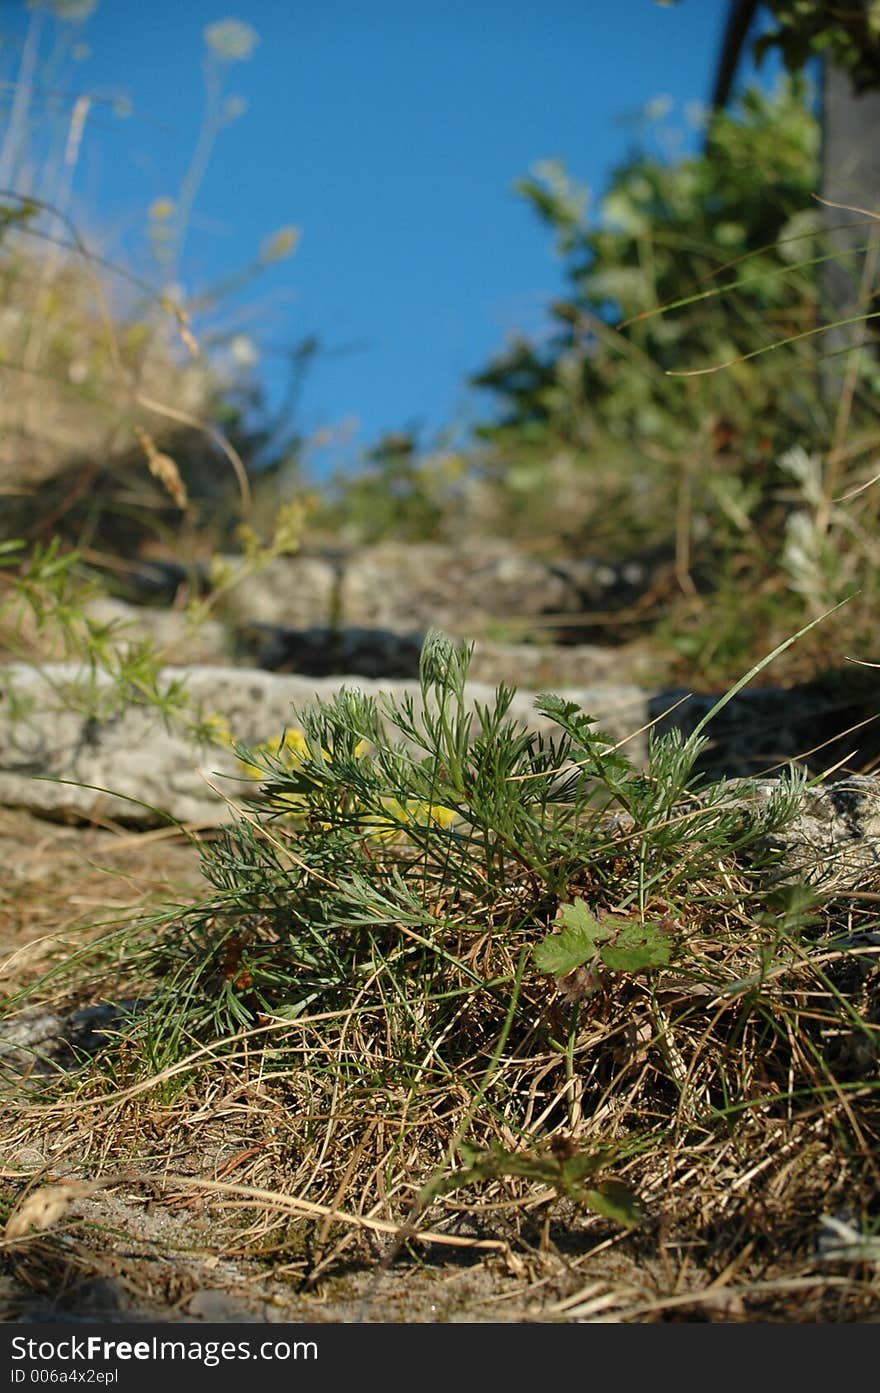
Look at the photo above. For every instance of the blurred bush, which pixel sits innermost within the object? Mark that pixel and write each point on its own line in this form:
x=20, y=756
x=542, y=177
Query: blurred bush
x=616, y=433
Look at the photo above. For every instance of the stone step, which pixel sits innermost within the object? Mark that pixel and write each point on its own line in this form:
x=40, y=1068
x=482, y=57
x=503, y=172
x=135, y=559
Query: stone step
x=327, y=650
x=58, y=758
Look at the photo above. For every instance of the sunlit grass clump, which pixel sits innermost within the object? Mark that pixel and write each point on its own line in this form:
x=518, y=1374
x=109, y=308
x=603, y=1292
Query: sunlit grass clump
x=501, y=989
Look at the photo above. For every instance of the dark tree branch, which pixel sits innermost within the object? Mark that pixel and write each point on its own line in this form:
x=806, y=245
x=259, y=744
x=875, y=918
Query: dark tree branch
x=739, y=21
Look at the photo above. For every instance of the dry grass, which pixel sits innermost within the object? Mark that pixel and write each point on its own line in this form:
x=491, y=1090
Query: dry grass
x=341, y=1069
x=740, y=1095
x=61, y=882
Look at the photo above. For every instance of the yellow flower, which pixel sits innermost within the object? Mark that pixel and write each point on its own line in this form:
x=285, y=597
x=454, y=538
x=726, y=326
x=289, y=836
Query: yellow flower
x=412, y=813
x=290, y=749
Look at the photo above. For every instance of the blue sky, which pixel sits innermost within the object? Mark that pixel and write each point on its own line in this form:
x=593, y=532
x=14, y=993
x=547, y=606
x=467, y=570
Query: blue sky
x=390, y=134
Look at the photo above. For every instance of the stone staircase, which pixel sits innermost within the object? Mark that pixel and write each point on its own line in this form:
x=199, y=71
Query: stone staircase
x=306, y=625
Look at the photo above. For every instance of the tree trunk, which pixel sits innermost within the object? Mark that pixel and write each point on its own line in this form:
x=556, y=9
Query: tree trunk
x=851, y=175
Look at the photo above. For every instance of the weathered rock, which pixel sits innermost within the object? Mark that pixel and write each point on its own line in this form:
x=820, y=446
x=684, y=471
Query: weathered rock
x=159, y=581
x=834, y=841
x=29, y=1041
x=291, y=591
x=57, y=759
x=831, y=841
x=324, y=650
x=468, y=590
x=36, y=1042
x=351, y=650
x=545, y=667
x=364, y=610
x=126, y=765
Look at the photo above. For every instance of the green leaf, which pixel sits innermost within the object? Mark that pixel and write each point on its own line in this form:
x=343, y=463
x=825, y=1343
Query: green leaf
x=637, y=947
x=616, y=1201
x=578, y=941
x=610, y=1197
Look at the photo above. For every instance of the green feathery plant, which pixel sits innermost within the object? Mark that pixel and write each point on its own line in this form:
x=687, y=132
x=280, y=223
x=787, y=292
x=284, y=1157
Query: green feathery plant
x=399, y=832
x=425, y=912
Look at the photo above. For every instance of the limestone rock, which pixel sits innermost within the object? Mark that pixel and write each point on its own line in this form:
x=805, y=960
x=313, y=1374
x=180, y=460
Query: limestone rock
x=29, y=1040
x=37, y=1042
x=819, y=725
x=61, y=761
x=470, y=589
x=291, y=591
x=834, y=841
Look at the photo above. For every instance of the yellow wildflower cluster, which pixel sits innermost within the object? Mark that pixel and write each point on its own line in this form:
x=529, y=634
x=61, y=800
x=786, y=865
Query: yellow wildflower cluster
x=411, y=812
x=289, y=750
